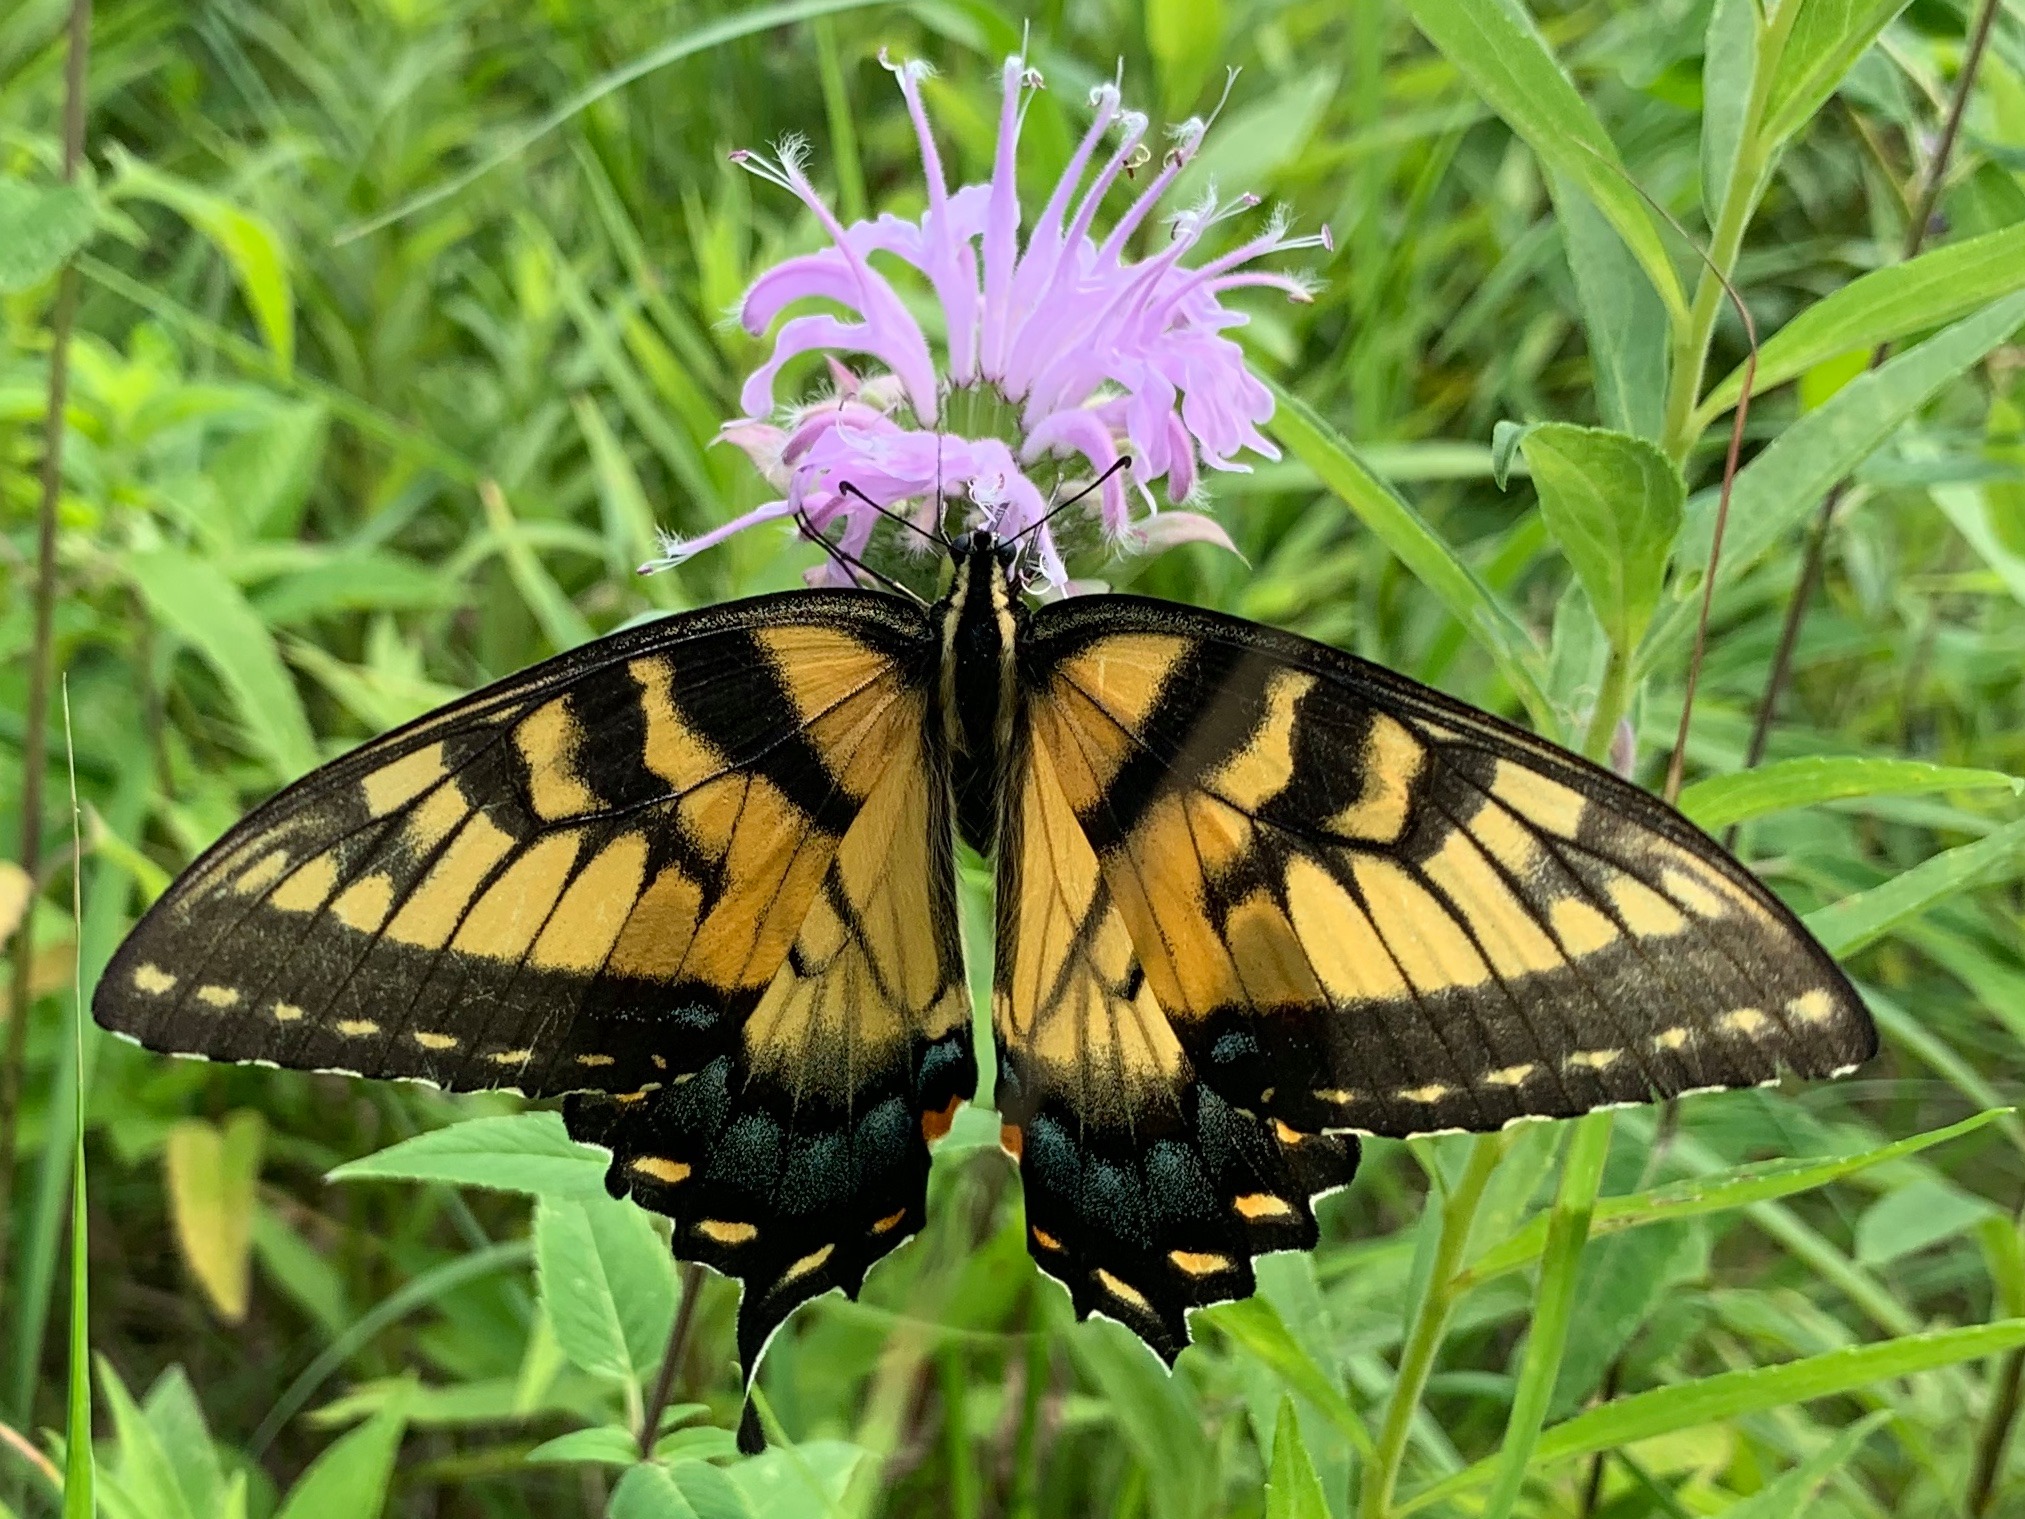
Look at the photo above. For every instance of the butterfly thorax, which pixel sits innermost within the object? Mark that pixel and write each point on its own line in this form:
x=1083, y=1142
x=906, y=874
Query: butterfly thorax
x=980, y=619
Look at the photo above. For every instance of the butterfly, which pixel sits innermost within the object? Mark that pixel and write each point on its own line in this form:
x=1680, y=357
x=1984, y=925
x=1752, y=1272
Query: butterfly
x=1255, y=898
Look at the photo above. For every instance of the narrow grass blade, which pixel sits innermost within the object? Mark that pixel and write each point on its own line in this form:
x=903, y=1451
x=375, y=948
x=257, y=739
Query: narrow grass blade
x=1739, y=1188
x=1382, y=509
x=740, y=24
x=1725, y=799
x=80, y=1475
x=1731, y=1394
x=1845, y=927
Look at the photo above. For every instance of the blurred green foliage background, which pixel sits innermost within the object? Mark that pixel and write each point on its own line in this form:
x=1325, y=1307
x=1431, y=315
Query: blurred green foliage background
x=400, y=329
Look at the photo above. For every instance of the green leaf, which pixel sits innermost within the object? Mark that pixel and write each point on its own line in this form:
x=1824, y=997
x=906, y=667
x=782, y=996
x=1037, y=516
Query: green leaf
x=1845, y=927
x=607, y=1283
x=791, y=1484
x=1729, y=66
x=212, y=1170
x=372, y=581
x=1255, y=1325
x=1883, y=306
x=1293, y=1491
x=1401, y=529
x=303, y=1272
x=176, y=1417
x=1825, y=40
x=141, y=1471
x=1495, y=46
x=647, y=1492
x=349, y=1480
x=1624, y=320
x=603, y=1445
x=1255, y=141
x=1976, y=516
x=265, y=473
x=1811, y=779
x=1730, y=1395
x=1783, y=485
x=1794, y=1491
x=193, y=600
x=1614, y=504
x=248, y=241
x=1923, y=1212
x=1716, y=1193
x=516, y=1152
x=40, y=227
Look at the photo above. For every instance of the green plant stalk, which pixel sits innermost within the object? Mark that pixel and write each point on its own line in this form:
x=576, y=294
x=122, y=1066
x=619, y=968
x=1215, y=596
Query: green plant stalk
x=1688, y=362
x=1553, y=1305
x=80, y=1476
x=1430, y=1320
x=1611, y=704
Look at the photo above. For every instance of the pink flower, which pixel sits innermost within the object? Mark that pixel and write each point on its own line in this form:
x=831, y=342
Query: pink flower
x=1062, y=353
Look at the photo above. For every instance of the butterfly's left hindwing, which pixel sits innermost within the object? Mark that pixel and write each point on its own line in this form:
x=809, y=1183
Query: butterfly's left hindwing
x=701, y=867
x=1263, y=891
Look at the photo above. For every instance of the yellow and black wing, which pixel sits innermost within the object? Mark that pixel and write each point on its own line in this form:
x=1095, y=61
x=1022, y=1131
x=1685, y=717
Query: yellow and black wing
x=700, y=869
x=1259, y=895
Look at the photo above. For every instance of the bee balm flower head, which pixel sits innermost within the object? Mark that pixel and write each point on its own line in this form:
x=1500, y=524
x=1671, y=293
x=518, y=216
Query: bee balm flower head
x=1062, y=353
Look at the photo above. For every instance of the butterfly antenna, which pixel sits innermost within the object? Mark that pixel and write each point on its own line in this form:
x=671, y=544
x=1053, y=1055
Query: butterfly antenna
x=852, y=566
x=1055, y=511
x=855, y=494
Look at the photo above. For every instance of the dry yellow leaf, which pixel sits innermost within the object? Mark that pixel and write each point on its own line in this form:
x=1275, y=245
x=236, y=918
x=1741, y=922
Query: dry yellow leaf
x=212, y=1170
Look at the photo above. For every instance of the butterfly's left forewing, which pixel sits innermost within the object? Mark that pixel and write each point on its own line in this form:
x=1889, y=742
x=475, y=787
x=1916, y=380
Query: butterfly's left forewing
x=700, y=869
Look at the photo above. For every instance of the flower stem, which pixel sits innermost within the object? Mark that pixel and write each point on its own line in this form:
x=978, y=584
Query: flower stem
x=1553, y=1305
x=1610, y=704
x=1430, y=1320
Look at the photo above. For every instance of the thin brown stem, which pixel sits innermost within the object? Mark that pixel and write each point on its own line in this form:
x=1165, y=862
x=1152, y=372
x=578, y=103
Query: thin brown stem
x=41, y=658
x=1811, y=563
x=671, y=1360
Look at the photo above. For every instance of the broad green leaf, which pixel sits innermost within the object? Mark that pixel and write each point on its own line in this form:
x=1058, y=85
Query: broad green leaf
x=349, y=1480
x=141, y=1474
x=1811, y=779
x=1495, y=46
x=40, y=227
x=1729, y=66
x=1624, y=320
x=515, y=1152
x=1157, y=1417
x=1185, y=38
x=1794, y=1490
x=602, y=1444
x=1845, y=927
x=607, y=1283
x=1824, y=42
x=1780, y=488
x=1401, y=529
x=1732, y=1394
x=303, y=1272
x=802, y=1483
x=212, y=1170
x=1256, y=1327
x=178, y=1420
x=197, y=603
x=1623, y=1280
x=1613, y=502
x=1976, y=516
x=1923, y=1212
x=1883, y=306
x=264, y=474
x=1293, y=1491
x=646, y=1492
x=249, y=242
x=1716, y=1193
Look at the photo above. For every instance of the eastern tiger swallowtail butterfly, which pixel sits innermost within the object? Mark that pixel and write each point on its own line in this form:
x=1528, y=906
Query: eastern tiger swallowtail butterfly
x=1255, y=898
